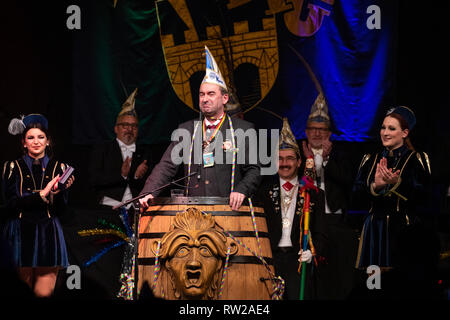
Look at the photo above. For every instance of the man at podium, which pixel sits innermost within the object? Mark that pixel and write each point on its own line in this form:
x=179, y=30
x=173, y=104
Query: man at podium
x=224, y=167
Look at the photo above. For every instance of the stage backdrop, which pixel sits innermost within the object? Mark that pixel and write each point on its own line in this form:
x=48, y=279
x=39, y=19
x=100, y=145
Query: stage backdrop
x=276, y=56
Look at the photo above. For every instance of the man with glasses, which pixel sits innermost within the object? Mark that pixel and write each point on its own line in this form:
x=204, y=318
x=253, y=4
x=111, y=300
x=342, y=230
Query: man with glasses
x=334, y=175
x=332, y=171
x=119, y=168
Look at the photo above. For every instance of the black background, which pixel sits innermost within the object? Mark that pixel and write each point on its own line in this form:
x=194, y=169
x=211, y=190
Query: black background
x=36, y=77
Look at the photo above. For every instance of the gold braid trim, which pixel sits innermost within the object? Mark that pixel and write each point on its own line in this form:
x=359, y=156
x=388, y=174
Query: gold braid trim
x=394, y=188
x=427, y=159
x=371, y=169
x=364, y=160
x=21, y=183
x=4, y=169
x=420, y=160
x=94, y=232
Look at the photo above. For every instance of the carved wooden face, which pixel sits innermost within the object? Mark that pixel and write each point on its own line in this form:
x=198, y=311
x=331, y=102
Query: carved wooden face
x=195, y=266
x=193, y=252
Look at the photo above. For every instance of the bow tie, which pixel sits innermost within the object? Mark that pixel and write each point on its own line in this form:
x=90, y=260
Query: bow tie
x=212, y=126
x=287, y=186
x=130, y=148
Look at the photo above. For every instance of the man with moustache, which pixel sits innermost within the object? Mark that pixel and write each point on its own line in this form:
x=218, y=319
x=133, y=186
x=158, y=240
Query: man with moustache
x=118, y=168
x=282, y=203
x=212, y=178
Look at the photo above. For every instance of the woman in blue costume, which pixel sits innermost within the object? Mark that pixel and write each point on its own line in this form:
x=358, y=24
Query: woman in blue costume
x=33, y=201
x=395, y=184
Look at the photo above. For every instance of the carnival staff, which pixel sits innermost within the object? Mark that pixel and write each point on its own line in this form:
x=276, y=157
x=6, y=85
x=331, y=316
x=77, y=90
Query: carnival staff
x=283, y=208
x=212, y=178
x=395, y=184
x=33, y=201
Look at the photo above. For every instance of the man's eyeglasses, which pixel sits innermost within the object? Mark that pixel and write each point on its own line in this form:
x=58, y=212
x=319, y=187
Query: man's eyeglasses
x=128, y=125
x=321, y=130
x=288, y=158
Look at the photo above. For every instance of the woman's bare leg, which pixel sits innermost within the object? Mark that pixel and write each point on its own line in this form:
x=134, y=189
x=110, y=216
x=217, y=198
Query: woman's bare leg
x=45, y=281
x=26, y=275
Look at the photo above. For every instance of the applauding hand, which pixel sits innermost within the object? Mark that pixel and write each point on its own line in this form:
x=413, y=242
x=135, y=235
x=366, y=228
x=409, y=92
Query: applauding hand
x=384, y=175
x=141, y=170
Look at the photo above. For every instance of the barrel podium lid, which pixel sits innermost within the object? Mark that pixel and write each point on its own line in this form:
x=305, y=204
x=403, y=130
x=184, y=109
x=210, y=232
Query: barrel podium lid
x=195, y=201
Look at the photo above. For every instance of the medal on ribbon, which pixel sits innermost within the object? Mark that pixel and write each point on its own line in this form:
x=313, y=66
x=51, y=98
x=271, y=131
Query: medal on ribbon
x=208, y=158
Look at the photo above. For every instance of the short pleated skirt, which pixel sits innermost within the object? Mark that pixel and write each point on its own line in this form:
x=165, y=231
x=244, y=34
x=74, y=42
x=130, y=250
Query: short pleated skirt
x=36, y=243
x=391, y=241
x=375, y=243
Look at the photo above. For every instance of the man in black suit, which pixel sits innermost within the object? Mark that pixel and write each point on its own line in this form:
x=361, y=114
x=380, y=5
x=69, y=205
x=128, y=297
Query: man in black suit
x=334, y=175
x=118, y=168
x=283, y=203
x=217, y=133
x=117, y=172
x=333, y=169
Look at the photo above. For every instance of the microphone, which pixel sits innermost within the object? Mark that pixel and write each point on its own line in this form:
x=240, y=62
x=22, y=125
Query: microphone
x=147, y=193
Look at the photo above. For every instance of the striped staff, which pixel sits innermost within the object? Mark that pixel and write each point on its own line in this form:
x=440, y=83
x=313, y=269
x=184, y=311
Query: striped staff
x=305, y=234
x=304, y=245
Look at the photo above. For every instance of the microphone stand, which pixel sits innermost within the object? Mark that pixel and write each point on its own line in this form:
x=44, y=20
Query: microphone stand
x=147, y=193
x=136, y=206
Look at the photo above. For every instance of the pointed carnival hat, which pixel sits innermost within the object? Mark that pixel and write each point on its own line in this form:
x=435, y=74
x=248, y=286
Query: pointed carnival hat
x=406, y=113
x=128, y=106
x=319, y=113
x=213, y=74
x=287, y=138
x=17, y=126
x=319, y=110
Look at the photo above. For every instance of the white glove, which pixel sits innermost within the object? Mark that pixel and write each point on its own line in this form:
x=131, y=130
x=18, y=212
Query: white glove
x=305, y=256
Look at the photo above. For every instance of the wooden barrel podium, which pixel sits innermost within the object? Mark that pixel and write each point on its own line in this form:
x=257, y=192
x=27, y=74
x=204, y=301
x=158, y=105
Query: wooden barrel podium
x=247, y=277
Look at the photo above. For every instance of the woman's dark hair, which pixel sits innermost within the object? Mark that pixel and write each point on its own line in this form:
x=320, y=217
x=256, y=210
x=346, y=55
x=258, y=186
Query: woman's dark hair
x=37, y=125
x=403, y=125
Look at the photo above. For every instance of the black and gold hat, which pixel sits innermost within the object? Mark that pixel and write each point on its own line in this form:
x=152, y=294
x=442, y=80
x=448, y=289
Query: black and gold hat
x=128, y=106
x=319, y=113
x=319, y=110
x=287, y=138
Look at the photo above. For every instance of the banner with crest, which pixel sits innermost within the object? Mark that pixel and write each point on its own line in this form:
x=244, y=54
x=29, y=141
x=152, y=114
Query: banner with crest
x=277, y=57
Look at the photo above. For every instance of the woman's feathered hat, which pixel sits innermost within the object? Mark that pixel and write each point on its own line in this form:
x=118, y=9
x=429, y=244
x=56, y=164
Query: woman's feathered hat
x=18, y=125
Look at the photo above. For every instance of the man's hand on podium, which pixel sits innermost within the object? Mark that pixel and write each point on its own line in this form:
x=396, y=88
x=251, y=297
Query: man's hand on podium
x=144, y=201
x=236, y=199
